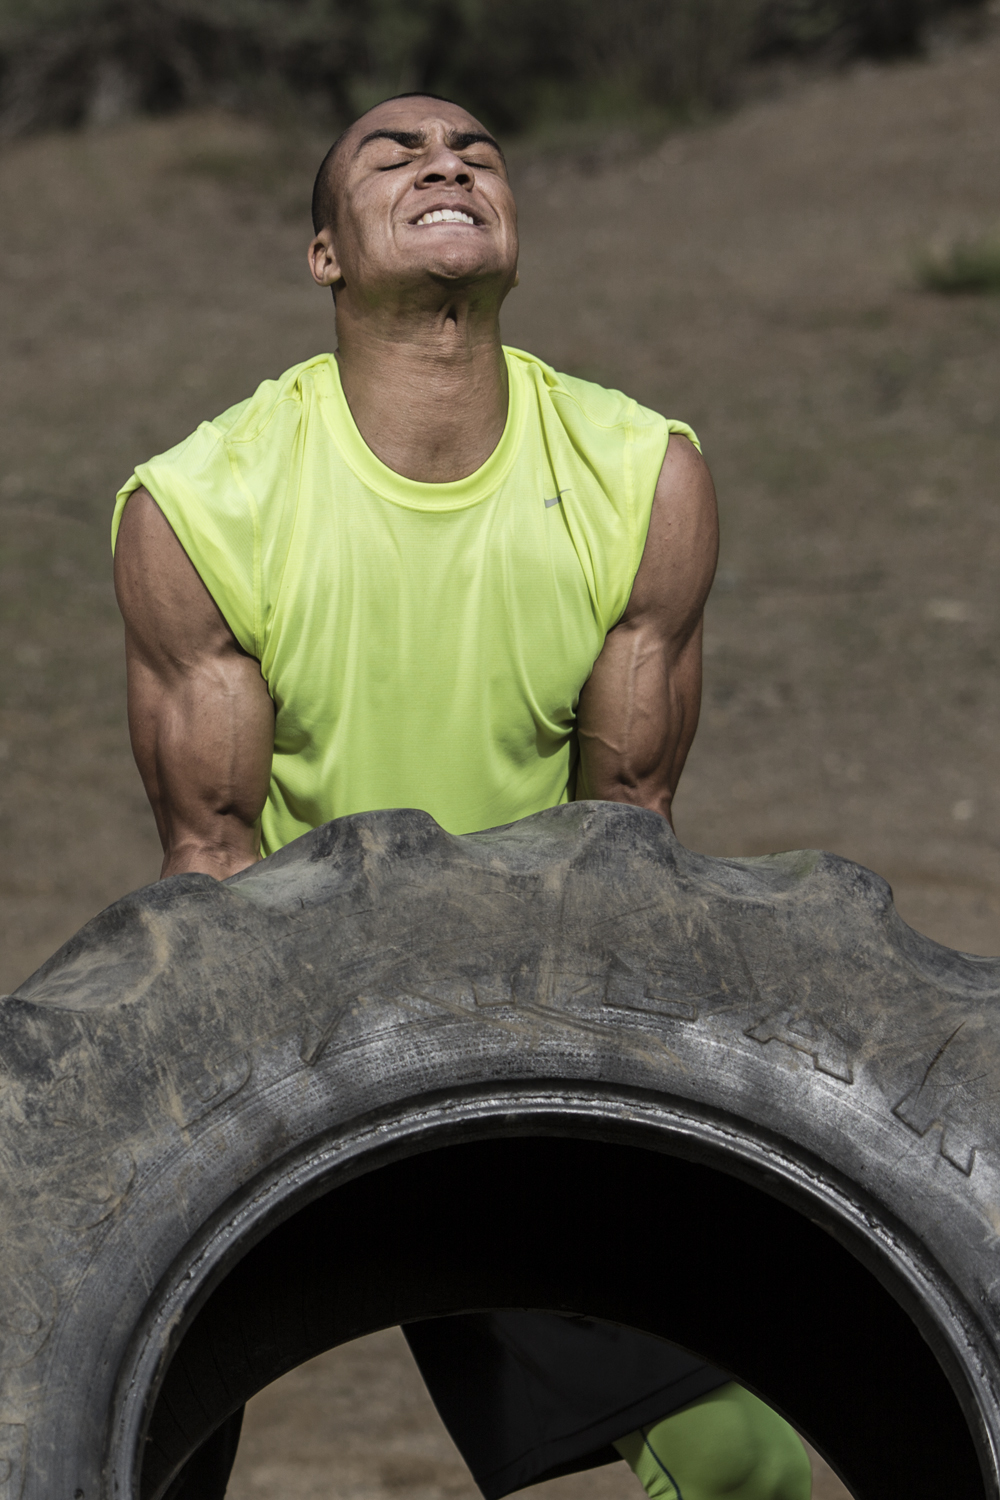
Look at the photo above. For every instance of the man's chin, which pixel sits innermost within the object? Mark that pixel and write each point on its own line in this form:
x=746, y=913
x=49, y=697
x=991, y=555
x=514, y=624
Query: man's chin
x=465, y=255
x=459, y=273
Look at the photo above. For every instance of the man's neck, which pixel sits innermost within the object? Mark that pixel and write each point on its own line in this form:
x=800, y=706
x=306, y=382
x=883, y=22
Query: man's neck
x=428, y=391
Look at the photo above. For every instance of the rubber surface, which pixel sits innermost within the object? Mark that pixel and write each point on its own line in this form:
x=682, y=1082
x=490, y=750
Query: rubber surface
x=392, y=1074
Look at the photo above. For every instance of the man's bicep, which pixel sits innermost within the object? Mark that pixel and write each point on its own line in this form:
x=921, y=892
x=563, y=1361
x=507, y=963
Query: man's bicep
x=200, y=716
x=169, y=613
x=682, y=544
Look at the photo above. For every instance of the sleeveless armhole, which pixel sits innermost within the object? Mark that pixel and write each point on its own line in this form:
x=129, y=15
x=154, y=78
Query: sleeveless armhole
x=618, y=448
x=200, y=491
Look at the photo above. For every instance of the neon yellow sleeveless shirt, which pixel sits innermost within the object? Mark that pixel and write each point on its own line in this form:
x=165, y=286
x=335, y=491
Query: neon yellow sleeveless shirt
x=424, y=644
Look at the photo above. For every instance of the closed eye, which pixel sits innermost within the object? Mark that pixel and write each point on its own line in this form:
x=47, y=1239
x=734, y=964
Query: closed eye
x=482, y=166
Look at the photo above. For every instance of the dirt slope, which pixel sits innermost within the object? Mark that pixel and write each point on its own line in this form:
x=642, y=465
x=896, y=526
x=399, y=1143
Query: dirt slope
x=753, y=277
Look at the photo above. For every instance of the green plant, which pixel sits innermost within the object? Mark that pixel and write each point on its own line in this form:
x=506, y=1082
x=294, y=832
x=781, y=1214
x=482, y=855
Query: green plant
x=967, y=266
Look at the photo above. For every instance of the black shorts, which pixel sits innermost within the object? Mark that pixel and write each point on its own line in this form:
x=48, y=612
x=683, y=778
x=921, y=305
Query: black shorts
x=530, y=1395
x=525, y=1395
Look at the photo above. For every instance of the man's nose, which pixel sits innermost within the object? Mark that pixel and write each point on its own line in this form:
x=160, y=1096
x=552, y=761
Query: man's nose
x=444, y=166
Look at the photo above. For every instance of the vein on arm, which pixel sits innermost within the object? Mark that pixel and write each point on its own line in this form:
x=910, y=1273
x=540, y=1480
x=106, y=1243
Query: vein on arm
x=639, y=709
x=201, y=720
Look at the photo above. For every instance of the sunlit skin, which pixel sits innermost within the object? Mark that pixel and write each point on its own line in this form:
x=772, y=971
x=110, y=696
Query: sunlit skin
x=422, y=367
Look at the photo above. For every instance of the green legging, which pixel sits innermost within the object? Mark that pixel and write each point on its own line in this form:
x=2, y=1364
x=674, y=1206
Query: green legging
x=725, y=1446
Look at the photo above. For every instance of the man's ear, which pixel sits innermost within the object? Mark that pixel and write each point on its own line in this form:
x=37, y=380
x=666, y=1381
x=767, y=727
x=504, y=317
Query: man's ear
x=323, y=261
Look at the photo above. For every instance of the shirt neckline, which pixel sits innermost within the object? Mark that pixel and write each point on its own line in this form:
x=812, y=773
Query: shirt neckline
x=455, y=494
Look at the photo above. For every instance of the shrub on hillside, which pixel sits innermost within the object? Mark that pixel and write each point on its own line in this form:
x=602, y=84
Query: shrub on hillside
x=968, y=265
x=515, y=62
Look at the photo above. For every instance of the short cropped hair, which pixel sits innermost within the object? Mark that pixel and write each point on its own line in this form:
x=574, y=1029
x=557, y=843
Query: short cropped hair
x=324, y=195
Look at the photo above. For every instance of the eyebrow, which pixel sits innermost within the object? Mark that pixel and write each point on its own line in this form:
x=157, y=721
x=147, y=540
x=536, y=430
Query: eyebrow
x=412, y=140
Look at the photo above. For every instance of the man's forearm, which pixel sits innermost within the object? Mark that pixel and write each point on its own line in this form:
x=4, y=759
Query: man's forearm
x=207, y=792
x=637, y=720
x=207, y=822
x=221, y=855
x=652, y=792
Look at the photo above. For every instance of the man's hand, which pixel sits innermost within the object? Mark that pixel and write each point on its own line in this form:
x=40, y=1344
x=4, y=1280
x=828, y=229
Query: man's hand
x=638, y=710
x=199, y=713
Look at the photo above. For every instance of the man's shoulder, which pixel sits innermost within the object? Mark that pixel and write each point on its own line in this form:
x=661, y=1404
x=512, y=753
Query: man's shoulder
x=580, y=400
x=285, y=395
x=235, y=463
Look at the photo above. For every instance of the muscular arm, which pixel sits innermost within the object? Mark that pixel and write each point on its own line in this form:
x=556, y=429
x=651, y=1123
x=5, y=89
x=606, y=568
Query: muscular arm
x=199, y=713
x=639, y=709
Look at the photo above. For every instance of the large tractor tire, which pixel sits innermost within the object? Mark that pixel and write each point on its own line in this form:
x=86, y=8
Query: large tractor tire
x=391, y=1074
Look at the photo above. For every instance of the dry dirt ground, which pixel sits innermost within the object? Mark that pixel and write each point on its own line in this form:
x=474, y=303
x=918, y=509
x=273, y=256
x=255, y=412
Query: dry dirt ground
x=754, y=277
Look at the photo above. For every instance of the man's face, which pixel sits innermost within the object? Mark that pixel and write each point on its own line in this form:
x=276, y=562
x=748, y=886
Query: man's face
x=422, y=195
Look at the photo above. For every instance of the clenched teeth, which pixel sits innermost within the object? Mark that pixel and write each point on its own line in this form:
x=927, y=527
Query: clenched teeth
x=446, y=216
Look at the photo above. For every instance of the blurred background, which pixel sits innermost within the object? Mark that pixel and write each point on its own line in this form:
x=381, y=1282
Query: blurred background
x=776, y=219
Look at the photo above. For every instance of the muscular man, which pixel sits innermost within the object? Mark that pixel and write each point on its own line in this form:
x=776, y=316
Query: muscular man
x=430, y=572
